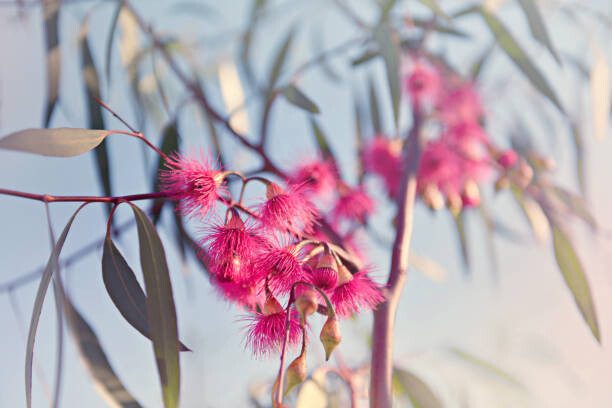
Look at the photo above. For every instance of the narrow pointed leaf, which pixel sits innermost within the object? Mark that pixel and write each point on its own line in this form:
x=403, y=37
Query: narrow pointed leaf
x=124, y=289
x=297, y=97
x=322, y=142
x=600, y=94
x=518, y=56
x=247, y=39
x=60, y=142
x=538, y=27
x=576, y=204
x=480, y=63
x=160, y=307
x=419, y=393
x=95, y=361
x=369, y=55
x=389, y=52
x=487, y=366
x=170, y=144
x=574, y=276
x=43, y=286
x=440, y=28
x=109, y=41
x=579, y=151
x=51, y=20
x=433, y=5
x=280, y=60
x=463, y=241
x=374, y=111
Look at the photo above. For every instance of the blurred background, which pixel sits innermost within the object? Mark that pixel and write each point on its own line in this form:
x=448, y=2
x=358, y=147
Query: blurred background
x=501, y=332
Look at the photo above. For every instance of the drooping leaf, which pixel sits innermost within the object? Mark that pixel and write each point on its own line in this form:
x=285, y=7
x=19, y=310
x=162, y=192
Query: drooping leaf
x=322, y=143
x=247, y=39
x=389, y=51
x=471, y=9
x=160, y=307
x=109, y=41
x=60, y=142
x=419, y=393
x=297, y=97
x=96, y=120
x=280, y=60
x=368, y=55
x=124, y=289
x=579, y=151
x=600, y=94
x=463, y=241
x=440, y=28
x=232, y=93
x=51, y=20
x=538, y=27
x=359, y=140
x=487, y=366
x=480, y=62
x=576, y=204
x=574, y=276
x=433, y=5
x=534, y=214
x=170, y=144
x=374, y=111
x=38, y=304
x=518, y=56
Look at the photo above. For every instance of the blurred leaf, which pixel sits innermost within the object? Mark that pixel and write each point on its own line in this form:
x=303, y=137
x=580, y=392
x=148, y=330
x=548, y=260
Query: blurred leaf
x=389, y=50
x=318, y=42
x=576, y=204
x=60, y=142
x=247, y=39
x=600, y=94
x=579, y=147
x=95, y=361
x=428, y=267
x=312, y=393
x=109, y=41
x=534, y=214
x=38, y=304
x=297, y=97
x=417, y=391
x=96, y=120
x=538, y=27
x=463, y=242
x=195, y=8
x=160, y=307
x=169, y=144
x=280, y=60
x=323, y=144
x=474, y=8
x=124, y=289
x=233, y=96
x=374, y=111
x=480, y=62
x=516, y=53
x=51, y=19
x=488, y=367
x=433, y=5
x=440, y=28
x=572, y=271
x=368, y=55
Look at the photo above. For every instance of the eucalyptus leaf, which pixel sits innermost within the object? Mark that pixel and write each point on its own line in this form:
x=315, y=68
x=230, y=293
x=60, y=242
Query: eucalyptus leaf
x=111, y=36
x=297, y=97
x=51, y=19
x=538, y=27
x=389, y=51
x=60, y=142
x=419, y=393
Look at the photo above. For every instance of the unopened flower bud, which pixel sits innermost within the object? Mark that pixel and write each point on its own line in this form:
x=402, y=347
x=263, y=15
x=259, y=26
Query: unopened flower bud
x=305, y=300
x=272, y=190
x=471, y=194
x=330, y=336
x=325, y=276
x=507, y=158
x=433, y=198
x=296, y=372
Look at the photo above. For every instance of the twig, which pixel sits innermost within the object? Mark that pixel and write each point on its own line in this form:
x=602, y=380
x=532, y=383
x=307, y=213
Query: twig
x=112, y=112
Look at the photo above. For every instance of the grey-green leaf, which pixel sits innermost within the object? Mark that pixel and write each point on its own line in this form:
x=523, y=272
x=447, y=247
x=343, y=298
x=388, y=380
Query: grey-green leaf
x=111, y=36
x=169, y=145
x=389, y=50
x=38, y=304
x=488, y=367
x=297, y=97
x=419, y=393
x=574, y=276
x=433, y=5
x=374, y=110
x=60, y=142
x=322, y=142
x=51, y=19
x=516, y=53
x=280, y=60
x=96, y=363
x=538, y=27
x=160, y=307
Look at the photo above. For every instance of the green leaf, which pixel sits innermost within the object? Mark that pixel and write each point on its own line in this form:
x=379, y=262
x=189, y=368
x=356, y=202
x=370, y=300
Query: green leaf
x=576, y=204
x=419, y=393
x=465, y=11
x=280, y=60
x=440, y=28
x=538, y=27
x=479, y=64
x=516, y=53
x=463, y=241
x=124, y=289
x=433, y=5
x=374, y=111
x=322, y=142
x=247, y=39
x=488, y=367
x=369, y=55
x=389, y=50
x=95, y=361
x=38, y=304
x=51, y=19
x=579, y=151
x=96, y=120
x=111, y=36
x=169, y=144
x=60, y=142
x=574, y=276
x=297, y=97
x=160, y=307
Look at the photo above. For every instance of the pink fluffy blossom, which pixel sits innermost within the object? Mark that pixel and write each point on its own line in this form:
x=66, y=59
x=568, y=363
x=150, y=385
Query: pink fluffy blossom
x=459, y=102
x=266, y=330
x=194, y=182
x=382, y=156
x=246, y=294
x=317, y=176
x=281, y=266
x=422, y=83
x=353, y=204
x=355, y=292
x=287, y=209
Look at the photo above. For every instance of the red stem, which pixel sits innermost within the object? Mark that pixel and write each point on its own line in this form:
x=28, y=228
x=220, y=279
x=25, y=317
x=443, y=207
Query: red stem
x=51, y=199
x=381, y=370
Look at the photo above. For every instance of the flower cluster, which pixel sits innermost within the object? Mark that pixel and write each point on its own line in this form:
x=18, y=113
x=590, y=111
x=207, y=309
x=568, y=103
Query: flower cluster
x=275, y=249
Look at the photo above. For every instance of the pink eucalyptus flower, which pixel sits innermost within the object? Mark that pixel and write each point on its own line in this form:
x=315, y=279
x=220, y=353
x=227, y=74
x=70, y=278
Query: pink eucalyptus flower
x=355, y=292
x=287, y=209
x=281, y=265
x=231, y=247
x=423, y=82
x=325, y=275
x=194, y=182
x=382, y=156
x=460, y=103
x=507, y=158
x=353, y=204
x=246, y=294
x=317, y=176
x=266, y=330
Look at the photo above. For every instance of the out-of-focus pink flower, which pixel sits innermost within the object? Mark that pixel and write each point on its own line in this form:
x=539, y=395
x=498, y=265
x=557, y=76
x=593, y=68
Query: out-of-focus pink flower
x=355, y=292
x=318, y=177
x=459, y=102
x=231, y=247
x=423, y=82
x=281, y=264
x=194, y=182
x=353, y=204
x=440, y=166
x=246, y=294
x=382, y=156
x=287, y=209
x=266, y=330
x=507, y=158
